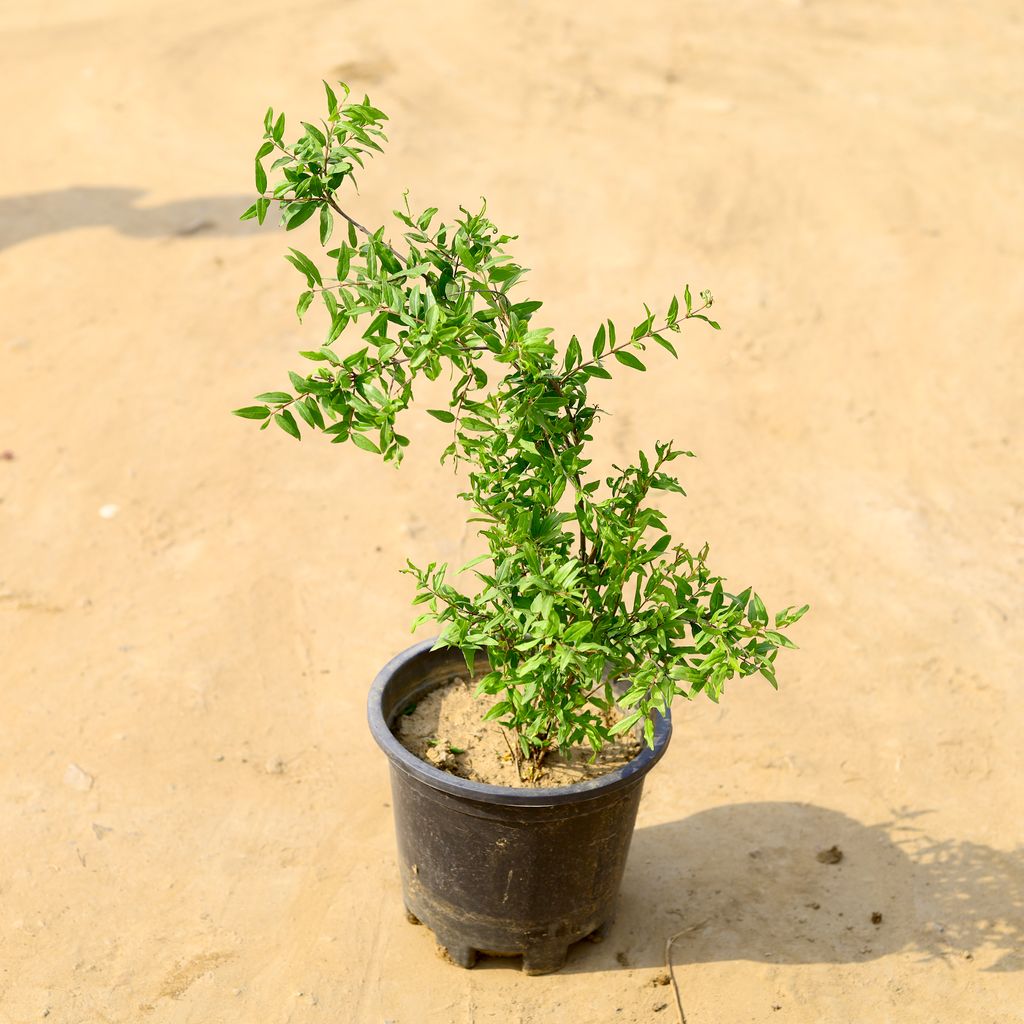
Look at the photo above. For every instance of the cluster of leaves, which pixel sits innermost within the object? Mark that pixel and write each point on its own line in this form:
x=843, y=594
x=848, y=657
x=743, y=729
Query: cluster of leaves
x=583, y=585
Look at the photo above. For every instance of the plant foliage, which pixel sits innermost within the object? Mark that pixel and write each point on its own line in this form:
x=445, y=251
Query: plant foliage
x=582, y=583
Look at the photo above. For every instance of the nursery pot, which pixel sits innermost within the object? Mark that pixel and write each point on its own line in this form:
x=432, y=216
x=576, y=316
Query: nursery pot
x=498, y=870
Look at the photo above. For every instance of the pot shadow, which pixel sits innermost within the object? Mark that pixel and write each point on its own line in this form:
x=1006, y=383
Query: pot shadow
x=44, y=213
x=745, y=882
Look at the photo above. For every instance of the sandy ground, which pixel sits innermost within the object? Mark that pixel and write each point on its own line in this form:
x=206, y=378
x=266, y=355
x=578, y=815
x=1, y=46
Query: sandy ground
x=846, y=177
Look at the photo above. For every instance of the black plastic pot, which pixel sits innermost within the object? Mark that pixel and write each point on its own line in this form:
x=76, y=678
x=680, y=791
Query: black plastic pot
x=493, y=869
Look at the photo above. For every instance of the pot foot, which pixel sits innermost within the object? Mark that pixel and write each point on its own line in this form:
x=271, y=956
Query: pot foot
x=411, y=917
x=545, y=958
x=461, y=956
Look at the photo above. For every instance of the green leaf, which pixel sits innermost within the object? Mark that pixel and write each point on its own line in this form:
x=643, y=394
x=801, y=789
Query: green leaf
x=304, y=265
x=625, y=723
x=309, y=410
x=442, y=414
x=286, y=421
x=599, y=340
x=261, y=178
x=305, y=413
x=344, y=262
x=332, y=100
x=304, y=300
x=577, y=631
x=503, y=707
x=700, y=316
x=315, y=132
x=327, y=223
x=659, y=545
x=790, y=615
x=628, y=359
x=362, y=441
x=277, y=397
x=465, y=255
x=298, y=213
x=756, y=612
x=573, y=354
x=252, y=412
x=780, y=639
x=665, y=344
x=688, y=299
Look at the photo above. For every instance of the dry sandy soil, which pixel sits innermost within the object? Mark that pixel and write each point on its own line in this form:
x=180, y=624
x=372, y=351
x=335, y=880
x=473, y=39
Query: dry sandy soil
x=196, y=823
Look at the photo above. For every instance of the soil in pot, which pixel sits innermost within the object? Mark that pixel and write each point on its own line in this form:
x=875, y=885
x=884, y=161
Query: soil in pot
x=446, y=730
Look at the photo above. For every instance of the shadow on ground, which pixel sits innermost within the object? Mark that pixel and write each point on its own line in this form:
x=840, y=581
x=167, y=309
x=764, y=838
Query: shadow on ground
x=744, y=882
x=45, y=213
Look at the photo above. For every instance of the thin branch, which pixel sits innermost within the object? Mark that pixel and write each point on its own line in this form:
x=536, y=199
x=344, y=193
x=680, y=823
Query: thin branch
x=671, y=970
x=513, y=754
x=359, y=227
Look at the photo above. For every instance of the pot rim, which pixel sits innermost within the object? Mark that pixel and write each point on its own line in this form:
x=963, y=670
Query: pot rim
x=406, y=761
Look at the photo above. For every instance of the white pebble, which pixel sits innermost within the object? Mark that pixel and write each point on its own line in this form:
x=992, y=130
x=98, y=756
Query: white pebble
x=77, y=779
x=108, y=511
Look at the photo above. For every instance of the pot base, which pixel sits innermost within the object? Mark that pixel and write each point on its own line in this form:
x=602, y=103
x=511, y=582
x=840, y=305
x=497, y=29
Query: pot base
x=541, y=958
x=455, y=933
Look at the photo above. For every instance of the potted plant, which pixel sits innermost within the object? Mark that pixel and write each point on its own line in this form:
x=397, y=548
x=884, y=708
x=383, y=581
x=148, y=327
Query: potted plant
x=583, y=620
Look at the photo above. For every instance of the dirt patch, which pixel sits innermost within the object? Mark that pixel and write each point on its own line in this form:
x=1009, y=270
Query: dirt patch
x=446, y=729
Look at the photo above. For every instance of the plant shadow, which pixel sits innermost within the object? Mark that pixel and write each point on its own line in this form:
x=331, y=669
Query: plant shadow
x=25, y=217
x=745, y=882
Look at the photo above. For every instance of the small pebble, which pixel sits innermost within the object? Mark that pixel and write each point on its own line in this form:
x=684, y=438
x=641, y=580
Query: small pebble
x=77, y=779
x=876, y=917
x=833, y=855
x=274, y=766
